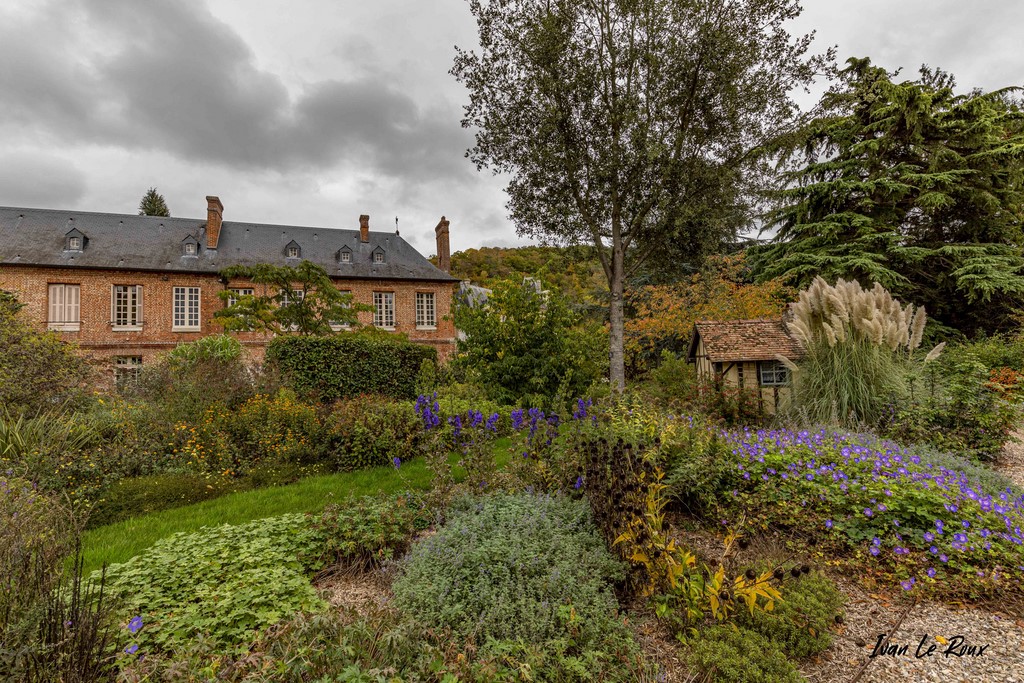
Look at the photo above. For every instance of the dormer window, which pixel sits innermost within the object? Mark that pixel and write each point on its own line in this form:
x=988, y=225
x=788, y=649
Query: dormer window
x=378, y=255
x=190, y=246
x=345, y=255
x=74, y=240
x=293, y=250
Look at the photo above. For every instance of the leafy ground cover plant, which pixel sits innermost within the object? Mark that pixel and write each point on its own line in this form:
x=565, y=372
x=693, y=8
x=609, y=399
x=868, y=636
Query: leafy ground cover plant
x=522, y=574
x=227, y=583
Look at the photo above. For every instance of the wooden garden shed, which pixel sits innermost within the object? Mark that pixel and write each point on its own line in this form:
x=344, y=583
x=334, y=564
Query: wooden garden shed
x=744, y=353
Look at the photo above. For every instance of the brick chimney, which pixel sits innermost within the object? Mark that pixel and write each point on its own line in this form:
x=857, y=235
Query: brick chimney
x=214, y=215
x=444, y=250
x=364, y=228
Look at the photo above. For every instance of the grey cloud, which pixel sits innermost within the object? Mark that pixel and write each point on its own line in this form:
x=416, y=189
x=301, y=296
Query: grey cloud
x=31, y=179
x=179, y=80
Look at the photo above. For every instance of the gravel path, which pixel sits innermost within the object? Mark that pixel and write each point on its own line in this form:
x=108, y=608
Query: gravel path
x=1011, y=460
x=869, y=614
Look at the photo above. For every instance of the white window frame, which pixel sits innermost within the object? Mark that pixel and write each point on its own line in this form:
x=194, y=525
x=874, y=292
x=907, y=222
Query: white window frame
x=336, y=326
x=190, y=248
x=126, y=370
x=238, y=292
x=777, y=374
x=74, y=244
x=346, y=257
x=126, y=299
x=293, y=252
x=378, y=257
x=64, y=306
x=426, y=311
x=186, y=309
x=384, y=310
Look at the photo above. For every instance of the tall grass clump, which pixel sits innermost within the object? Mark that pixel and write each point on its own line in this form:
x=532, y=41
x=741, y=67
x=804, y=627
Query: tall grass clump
x=858, y=344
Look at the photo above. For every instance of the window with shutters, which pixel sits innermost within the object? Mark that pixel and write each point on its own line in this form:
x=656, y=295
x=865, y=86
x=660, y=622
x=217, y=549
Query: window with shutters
x=425, y=316
x=186, y=310
x=65, y=308
x=384, y=309
x=126, y=307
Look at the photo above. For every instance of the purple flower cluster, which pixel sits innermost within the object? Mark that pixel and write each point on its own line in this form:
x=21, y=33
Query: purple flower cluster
x=847, y=474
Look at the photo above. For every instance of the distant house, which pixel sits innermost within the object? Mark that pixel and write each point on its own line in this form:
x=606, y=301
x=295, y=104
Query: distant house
x=127, y=287
x=744, y=354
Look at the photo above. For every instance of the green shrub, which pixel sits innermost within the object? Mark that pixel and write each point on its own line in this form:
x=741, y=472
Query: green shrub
x=737, y=655
x=800, y=623
x=670, y=382
x=366, y=531
x=137, y=496
x=954, y=407
x=53, y=625
x=369, y=431
x=345, y=365
x=216, y=347
x=522, y=573
x=38, y=370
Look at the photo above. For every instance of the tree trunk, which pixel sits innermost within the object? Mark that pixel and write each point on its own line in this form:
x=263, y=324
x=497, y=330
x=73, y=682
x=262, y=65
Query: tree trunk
x=617, y=369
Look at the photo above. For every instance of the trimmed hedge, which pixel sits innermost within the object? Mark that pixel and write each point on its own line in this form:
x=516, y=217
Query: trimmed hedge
x=345, y=365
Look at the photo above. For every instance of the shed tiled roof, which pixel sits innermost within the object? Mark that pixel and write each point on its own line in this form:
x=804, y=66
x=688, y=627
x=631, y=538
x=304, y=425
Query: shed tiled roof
x=739, y=340
x=153, y=243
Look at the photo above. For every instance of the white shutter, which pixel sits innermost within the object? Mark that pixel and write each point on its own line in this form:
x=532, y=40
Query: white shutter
x=73, y=303
x=138, y=315
x=113, y=304
x=56, y=305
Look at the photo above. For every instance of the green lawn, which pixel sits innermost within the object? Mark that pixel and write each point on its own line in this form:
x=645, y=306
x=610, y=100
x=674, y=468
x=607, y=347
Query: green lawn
x=123, y=540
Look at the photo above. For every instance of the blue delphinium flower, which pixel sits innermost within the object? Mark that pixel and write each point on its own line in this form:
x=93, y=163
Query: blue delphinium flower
x=135, y=625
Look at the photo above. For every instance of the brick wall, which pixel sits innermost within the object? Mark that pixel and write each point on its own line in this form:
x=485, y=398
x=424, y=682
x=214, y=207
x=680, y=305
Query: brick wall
x=97, y=337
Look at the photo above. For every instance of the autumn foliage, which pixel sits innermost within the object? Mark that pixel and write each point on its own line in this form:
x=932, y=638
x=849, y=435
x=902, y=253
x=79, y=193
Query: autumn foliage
x=663, y=315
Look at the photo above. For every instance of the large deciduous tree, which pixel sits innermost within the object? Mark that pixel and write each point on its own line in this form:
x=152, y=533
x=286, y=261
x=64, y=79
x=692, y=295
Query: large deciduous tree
x=630, y=125
x=909, y=185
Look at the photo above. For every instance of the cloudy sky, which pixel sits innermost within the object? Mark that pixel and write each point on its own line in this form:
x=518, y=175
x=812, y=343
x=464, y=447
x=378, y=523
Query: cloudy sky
x=310, y=112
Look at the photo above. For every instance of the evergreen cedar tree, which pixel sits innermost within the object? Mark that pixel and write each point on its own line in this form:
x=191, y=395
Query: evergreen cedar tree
x=153, y=204
x=630, y=125
x=910, y=185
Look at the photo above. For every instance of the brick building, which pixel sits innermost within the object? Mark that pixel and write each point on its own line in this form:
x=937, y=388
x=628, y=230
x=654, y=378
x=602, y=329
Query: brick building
x=127, y=287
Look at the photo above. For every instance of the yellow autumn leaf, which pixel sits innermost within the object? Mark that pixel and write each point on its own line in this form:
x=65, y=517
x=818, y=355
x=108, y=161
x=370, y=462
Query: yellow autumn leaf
x=942, y=640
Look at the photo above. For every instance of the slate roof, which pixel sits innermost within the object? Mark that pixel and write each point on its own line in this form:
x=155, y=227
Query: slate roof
x=739, y=340
x=154, y=243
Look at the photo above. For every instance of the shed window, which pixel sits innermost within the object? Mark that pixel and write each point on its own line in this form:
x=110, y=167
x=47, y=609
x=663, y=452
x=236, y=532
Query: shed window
x=773, y=374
